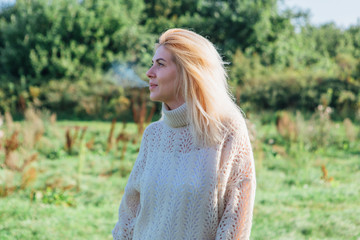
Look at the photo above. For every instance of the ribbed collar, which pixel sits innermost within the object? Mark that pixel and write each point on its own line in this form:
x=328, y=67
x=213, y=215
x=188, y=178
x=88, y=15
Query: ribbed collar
x=175, y=118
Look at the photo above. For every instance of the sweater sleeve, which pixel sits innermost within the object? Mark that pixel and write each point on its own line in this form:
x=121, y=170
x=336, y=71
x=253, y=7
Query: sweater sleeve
x=129, y=207
x=130, y=203
x=237, y=179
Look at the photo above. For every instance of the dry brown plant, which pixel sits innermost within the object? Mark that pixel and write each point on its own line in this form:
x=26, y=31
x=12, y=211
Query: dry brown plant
x=350, y=130
x=29, y=160
x=13, y=161
x=123, y=151
x=13, y=166
x=151, y=114
x=110, y=137
x=53, y=183
x=286, y=127
x=11, y=144
x=6, y=188
x=90, y=143
x=18, y=147
x=9, y=121
x=325, y=176
x=139, y=109
x=1, y=132
x=280, y=150
x=83, y=131
x=28, y=177
x=22, y=103
x=60, y=183
x=34, y=128
x=71, y=139
x=125, y=138
x=53, y=118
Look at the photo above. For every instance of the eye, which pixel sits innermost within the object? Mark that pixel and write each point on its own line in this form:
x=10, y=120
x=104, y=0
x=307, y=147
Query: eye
x=160, y=64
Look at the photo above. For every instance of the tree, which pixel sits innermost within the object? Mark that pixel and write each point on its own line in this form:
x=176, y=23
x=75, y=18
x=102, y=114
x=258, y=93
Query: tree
x=44, y=40
x=55, y=39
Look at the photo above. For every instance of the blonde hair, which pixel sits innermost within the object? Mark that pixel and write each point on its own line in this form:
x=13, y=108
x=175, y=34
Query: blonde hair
x=203, y=84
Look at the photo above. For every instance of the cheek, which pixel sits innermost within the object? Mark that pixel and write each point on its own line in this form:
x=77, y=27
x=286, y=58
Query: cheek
x=174, y=80
x=175, y=86
x=170, y=87
x=169, y=80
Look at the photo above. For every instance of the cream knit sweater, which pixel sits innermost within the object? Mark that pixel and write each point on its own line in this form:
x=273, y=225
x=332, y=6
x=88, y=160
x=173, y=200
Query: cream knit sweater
x=177, y=190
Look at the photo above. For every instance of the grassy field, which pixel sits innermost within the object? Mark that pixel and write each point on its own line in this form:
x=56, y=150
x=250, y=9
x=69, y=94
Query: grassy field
x=307, y=185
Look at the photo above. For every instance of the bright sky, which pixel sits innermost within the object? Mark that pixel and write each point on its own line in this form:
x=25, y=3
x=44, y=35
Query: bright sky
x=343, y=12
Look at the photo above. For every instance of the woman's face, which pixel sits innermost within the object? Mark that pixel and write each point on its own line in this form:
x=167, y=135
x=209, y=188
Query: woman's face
x=163, y=79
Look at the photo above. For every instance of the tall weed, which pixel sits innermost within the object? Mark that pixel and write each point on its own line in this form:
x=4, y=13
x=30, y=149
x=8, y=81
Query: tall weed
x=318, y=131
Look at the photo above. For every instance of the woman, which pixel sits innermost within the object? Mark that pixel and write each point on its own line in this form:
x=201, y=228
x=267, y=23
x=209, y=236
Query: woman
x=194, y=177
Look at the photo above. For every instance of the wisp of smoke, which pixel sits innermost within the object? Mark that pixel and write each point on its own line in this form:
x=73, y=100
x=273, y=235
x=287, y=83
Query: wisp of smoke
x=124, y=76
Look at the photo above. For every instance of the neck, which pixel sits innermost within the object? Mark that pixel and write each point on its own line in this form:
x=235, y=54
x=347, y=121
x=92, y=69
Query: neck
x=174, y=105
x=177, y=117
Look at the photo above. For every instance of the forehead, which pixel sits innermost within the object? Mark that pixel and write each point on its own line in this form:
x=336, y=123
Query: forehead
x=162, y=52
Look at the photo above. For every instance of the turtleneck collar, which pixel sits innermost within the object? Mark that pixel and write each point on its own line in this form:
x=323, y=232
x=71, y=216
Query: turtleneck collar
x=175, y=118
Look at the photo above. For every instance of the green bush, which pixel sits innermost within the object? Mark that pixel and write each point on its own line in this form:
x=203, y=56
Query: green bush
x=56, y=54
x=270, y=88
x=59, y=44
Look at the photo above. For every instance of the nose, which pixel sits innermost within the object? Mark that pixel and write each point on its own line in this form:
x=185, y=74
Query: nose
x=150, y=73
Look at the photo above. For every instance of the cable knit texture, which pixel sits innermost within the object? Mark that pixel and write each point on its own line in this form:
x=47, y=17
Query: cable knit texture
x=178, y=190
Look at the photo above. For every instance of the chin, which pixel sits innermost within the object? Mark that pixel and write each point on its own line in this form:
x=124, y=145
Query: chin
x=154, y=99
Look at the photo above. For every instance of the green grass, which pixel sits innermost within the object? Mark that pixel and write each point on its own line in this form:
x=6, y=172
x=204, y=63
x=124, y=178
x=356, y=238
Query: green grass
x=300, y=205
x=292, y=199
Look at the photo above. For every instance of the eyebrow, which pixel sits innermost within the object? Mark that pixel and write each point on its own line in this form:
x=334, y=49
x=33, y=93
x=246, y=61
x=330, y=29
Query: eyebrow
x=159, y=59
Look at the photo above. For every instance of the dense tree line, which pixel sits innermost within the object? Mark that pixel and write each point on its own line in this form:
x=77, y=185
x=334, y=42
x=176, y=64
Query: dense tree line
x=57, y=54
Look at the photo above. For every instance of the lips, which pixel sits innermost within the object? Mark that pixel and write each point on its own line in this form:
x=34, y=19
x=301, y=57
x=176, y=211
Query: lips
x=152, y=86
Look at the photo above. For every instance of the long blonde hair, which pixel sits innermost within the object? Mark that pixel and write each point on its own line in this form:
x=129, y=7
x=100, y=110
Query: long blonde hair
x=203, y=84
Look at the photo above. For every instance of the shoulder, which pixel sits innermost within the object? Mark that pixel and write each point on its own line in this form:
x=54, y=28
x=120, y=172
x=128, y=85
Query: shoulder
x=155, y=126
x=236, y=140
x=236, y=146
x=235, y=126
x=152, y=127
x=152, y=130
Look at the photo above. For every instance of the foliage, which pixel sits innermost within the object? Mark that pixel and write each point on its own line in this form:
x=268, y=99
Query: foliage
x=66, y=41
x=238, y=24
x=61, y=39
x=278, y=60
x=257, y=87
